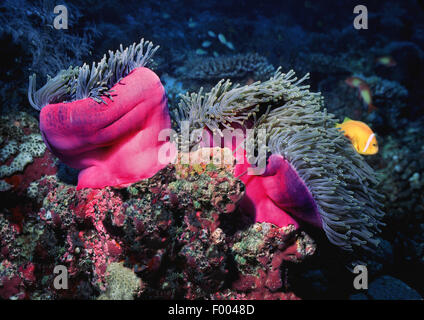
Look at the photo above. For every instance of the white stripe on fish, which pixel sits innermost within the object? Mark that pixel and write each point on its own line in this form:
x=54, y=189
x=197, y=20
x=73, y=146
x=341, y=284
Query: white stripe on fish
x=368, y=142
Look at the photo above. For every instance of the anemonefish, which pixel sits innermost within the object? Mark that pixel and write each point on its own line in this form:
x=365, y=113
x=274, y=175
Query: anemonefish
x=364, y=91
x=386, y=61
x=362, y=137
x=366, y=96
x=354, y=82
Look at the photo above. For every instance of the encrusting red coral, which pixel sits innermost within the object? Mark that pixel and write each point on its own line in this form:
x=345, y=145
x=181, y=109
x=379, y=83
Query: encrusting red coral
x=174, y=233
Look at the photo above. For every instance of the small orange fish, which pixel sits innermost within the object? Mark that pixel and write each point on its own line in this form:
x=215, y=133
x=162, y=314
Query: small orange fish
x=366, y=96
x=362, y=137
x=354, y=82
x=364, y=91
x=386, y=61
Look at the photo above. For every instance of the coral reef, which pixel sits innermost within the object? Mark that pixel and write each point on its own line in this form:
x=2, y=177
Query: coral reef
x=260, y=252
x=22, y=157
x=324, y=63
x=122, y=283
x=168, y=230
x=402, y=181
x=392, y=98
x=233, y=67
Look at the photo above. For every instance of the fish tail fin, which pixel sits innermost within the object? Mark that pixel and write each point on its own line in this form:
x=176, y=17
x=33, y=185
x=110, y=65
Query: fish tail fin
x=372, y=108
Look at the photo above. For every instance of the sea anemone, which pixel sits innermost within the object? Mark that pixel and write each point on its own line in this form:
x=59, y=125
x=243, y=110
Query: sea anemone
x=303, y=137
x=106, y=120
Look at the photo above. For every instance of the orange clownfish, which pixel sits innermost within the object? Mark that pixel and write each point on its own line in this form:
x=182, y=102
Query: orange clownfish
x=386, y=61
x=362, y=137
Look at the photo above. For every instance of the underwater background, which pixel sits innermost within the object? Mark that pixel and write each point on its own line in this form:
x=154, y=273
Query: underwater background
x=180, y=233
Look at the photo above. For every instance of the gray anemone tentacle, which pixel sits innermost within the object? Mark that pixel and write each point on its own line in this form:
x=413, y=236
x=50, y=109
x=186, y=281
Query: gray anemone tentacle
x=85, y=82
x=300, y=129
